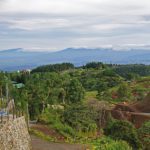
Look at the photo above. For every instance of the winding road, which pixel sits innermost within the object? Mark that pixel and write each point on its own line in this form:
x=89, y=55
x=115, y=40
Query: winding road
x=39, y=144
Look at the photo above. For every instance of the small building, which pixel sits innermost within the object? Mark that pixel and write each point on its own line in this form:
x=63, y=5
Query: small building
x=18, y=85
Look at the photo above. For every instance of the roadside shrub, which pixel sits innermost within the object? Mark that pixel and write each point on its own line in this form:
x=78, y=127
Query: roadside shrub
x=123, y=130
x=64, y=129
x=81, y=118
x=53, y=119
x=50, y=116
x=144, y=135
x=107, y=143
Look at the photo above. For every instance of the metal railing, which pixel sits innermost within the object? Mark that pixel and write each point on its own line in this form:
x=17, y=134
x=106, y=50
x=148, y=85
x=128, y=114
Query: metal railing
x=4, y=116
x=9, y=112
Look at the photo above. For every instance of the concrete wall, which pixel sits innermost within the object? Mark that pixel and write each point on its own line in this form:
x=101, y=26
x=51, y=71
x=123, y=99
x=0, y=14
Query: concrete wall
x=14, y=135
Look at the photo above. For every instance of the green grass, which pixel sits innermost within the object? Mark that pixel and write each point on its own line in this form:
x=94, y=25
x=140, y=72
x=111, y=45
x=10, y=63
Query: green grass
x=53, y=120
x=90, y=95
x=106, y=143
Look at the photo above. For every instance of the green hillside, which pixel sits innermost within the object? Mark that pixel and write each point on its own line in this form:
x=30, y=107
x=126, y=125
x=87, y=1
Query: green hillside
x=73, y=101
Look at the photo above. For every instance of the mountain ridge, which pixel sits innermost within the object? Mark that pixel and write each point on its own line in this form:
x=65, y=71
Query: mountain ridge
x=18, y=58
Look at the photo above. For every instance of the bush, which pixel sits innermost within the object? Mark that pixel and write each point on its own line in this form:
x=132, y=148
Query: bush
x=107, y=143
x=80, y=118
x=124, y=91
x=123, y=130
x=144, y=135
x=64, y=129
x=53, y=118
x=50, y=116
x=118, y=145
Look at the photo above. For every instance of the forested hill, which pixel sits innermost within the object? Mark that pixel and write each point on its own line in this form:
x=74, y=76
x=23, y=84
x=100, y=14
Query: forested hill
x=127, y=71
x=18, y=59
x=73, y=103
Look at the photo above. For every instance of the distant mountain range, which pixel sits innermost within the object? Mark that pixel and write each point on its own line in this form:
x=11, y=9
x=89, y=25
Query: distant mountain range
x=19, y=59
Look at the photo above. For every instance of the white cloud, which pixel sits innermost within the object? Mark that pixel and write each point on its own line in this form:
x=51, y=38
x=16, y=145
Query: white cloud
x=100, y=7
x=37, y=24
x=78, y=22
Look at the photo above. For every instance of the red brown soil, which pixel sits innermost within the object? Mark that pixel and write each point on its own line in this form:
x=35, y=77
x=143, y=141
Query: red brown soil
x=48, y=131
x=40, y=144
x=143, y=106
x=137, y=112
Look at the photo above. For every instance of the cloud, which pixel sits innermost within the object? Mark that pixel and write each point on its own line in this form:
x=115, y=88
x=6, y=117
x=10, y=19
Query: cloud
x=64, y=23
x=36, y=24
x=98, y=7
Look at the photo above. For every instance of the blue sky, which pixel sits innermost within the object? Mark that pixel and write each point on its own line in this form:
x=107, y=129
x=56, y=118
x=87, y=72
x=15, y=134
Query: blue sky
x=58, y=24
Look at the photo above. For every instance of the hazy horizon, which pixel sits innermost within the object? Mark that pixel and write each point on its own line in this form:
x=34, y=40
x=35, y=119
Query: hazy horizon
x=109, y=47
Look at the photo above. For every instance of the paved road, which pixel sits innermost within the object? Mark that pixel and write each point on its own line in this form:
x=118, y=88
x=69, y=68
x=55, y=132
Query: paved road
x=39, y=144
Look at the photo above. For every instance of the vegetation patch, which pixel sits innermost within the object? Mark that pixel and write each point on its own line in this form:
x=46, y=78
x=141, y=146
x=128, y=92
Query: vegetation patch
x=42, y=135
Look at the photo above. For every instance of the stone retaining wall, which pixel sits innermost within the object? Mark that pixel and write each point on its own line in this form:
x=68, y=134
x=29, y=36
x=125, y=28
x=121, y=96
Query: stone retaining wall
x=14, y=135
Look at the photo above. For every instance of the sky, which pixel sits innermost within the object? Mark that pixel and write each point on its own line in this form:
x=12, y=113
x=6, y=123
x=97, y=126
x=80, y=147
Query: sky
x=57, y=24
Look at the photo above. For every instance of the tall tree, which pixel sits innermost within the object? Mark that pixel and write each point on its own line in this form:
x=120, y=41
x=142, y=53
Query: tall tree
x=75, y=91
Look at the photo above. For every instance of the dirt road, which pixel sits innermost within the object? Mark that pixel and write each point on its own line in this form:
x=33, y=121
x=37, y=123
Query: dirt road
x=39, y=144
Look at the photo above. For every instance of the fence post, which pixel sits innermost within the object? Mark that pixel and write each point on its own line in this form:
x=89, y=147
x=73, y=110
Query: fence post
x=8, y=115
x=13, y=112
x=28, y=115
x=1, y=118
x=16, y=113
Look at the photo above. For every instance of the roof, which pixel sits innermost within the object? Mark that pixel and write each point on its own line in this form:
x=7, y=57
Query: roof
x=19, y=85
